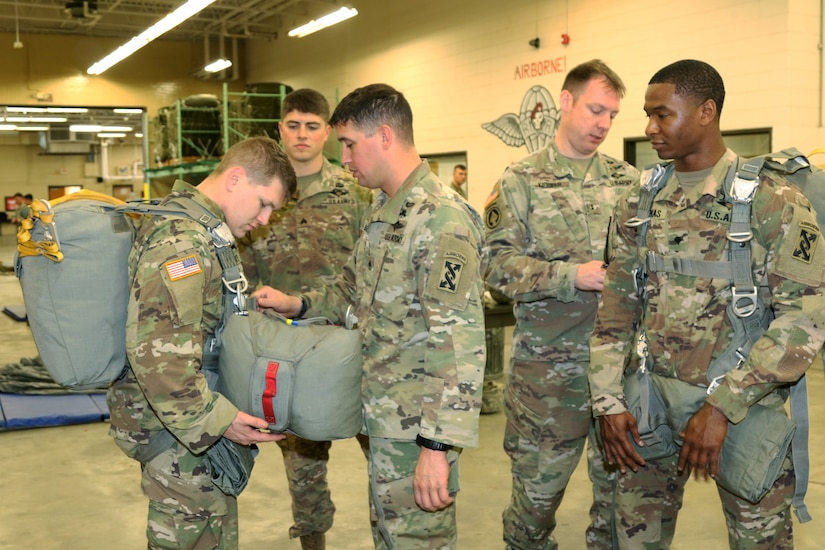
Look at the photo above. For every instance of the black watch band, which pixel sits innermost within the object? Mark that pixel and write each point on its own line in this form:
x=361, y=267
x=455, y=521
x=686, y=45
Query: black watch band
x=432, y=445
x=304, y=307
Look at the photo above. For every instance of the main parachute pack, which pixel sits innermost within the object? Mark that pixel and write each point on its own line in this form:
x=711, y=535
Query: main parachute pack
x=72, y=263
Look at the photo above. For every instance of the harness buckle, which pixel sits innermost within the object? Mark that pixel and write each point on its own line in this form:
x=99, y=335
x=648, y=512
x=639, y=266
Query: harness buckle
x=715, y=383
x=743, y=303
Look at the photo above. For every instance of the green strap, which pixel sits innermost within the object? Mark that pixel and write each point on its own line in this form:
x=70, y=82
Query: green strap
x=799, y=447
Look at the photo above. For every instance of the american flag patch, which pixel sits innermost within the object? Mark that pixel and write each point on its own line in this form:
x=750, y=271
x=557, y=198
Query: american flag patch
x=178, y=269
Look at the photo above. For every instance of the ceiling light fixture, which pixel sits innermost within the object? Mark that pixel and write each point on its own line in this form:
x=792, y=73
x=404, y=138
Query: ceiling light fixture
x=323, y=22
x=111, y=134
x=218, y=65
x=93, y=128
x=36, y=119
x=32, y=128
x=166, y=24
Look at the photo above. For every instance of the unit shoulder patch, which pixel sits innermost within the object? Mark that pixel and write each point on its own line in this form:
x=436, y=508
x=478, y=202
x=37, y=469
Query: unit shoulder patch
x=800, y=253
x=452, y=272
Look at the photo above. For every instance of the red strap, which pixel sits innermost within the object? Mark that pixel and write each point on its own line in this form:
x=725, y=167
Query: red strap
x=270, y=391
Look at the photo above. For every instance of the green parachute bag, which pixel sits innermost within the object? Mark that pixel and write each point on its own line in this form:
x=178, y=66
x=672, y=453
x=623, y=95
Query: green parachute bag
x=303, y=377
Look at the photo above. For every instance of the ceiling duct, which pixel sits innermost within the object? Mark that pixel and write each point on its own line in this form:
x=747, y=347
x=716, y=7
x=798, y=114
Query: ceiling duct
x=82, y=10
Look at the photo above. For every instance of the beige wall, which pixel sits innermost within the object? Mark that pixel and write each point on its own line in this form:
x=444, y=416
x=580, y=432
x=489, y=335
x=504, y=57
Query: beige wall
x=456, y=62
x=155, y=76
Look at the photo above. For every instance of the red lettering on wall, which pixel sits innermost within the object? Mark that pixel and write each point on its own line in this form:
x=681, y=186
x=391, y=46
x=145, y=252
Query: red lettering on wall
x=541, y=68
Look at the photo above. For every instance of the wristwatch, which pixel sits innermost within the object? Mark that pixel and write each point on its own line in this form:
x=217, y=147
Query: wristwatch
x=304, y=307
x=432, y=445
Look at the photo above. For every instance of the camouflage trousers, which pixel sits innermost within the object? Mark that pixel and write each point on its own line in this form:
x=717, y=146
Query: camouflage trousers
x=493, y=389
x=397, y=521
x=648, y=503
x=548, y=421
x=186, y=510
x=306, y=462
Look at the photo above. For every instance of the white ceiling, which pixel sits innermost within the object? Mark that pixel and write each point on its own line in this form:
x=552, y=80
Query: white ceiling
x=126, y=18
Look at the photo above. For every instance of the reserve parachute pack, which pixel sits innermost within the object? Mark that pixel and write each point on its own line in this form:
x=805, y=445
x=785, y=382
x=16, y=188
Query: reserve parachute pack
x=749, y=318
x=72, y=264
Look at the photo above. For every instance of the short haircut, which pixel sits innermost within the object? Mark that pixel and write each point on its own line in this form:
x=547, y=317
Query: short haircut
x=695, y=79
x=459, y=167
x=374, y=105
x=578, y=77
x=306, y=100
x=262, y=159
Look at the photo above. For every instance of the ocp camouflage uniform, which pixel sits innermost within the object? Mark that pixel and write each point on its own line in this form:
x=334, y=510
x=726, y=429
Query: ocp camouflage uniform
x=307, y=243
x=547, y=215
x=687, y=327
x=174, y=305
x=415, y=284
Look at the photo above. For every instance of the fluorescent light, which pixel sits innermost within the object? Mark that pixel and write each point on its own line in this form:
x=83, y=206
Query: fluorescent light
x=218, y=65
x=36, y=119
x=128, y=111
x=8, y=127
x=32, y=128
x=51, y=110
x=111, y=134
x=93, y=128
x=166, y=24
x=323, y=22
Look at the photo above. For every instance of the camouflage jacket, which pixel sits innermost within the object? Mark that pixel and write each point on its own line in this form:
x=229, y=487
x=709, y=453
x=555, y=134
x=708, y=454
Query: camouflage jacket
x=542, y=222
x=685, y=319
x=415, y=284
x=311, y=236
x=174, y=306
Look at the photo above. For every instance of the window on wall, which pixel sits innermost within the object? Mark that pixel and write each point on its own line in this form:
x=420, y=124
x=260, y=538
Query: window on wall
x=746, y=143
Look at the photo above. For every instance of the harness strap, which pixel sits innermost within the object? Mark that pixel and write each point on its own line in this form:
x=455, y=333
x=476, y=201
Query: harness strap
x=799, y=448
x=684, y=266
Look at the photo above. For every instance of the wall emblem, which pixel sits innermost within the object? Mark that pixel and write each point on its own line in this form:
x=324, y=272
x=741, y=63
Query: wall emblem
x=534, y=126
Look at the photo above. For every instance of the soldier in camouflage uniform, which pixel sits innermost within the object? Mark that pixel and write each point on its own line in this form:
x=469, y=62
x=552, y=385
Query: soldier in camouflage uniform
x=414, y=283
x=685, y=321
x=547, y=221
x=312, y=236
x=174, y=306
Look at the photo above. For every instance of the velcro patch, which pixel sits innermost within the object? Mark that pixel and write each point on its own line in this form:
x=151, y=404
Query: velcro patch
x=806, y=242
x=800, y=255
x=182, y=268
x=451, y=275
x=492, y=216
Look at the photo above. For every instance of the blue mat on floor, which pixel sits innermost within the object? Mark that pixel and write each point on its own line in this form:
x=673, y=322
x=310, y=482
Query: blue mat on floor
x=37, y=411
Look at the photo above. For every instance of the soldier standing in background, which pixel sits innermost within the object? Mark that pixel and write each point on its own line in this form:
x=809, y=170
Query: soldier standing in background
x=547, y=222
x=414, y=284
x=311, y=237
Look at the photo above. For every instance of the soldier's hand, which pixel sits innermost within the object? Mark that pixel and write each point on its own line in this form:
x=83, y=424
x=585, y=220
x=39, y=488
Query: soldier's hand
x=245, y=430
x=269, y=298
x=704, y=434
x=430, y=480
x=590, y=276
x=616, y=430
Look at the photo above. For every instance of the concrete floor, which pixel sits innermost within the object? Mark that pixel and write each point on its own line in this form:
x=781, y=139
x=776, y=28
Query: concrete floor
x=70, y=487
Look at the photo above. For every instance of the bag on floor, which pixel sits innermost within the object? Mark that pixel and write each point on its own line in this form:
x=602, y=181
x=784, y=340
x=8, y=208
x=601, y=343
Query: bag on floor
x=303, y=378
